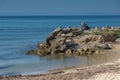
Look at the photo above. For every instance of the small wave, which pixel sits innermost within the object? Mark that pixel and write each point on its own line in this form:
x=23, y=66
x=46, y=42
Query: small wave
x=4, y=67
x=10, y=74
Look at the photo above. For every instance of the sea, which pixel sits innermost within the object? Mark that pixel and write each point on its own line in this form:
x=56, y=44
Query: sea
x=18, y=34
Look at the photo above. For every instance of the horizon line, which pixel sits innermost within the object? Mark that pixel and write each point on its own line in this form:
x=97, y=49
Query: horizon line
x=50, y=15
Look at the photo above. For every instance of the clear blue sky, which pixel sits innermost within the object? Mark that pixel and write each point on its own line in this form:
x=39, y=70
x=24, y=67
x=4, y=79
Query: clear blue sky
x=59, y=7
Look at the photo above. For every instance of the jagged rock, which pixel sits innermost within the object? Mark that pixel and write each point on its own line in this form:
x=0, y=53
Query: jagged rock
x=48, y=39
x=60, y=34
x=58, y=45
x=118, y=40
x=52, y=35
x=58, y=42
x=78, y=32
x=67, y=30
x=56, y=31
x=31, y=52
x=85, y=26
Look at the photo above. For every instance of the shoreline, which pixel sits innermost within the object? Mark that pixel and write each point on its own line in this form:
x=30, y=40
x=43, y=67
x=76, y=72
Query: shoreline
x=77, y=73
x=104, y=71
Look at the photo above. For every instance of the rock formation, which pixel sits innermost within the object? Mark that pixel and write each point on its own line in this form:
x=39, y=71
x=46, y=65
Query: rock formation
x=75, y=41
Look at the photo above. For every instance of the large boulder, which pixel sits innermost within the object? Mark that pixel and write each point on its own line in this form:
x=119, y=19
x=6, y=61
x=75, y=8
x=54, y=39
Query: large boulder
x=58, y=42
x=53, y=35
x=58, y=45
x=48, y=39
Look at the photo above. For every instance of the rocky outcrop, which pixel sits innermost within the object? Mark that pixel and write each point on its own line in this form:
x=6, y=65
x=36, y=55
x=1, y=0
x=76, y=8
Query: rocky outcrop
x=75, y=41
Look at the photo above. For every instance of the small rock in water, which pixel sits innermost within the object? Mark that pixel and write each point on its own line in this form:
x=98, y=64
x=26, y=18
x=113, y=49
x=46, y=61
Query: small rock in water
x=31, y=52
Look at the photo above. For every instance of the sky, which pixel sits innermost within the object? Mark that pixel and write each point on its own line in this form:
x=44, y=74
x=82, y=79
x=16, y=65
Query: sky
x=59, y=7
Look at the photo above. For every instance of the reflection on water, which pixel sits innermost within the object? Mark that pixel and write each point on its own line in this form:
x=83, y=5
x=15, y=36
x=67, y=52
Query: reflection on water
x=4, y=67
x=87, y=60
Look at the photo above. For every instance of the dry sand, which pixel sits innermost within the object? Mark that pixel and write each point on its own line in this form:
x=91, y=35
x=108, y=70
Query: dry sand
x=106, y=71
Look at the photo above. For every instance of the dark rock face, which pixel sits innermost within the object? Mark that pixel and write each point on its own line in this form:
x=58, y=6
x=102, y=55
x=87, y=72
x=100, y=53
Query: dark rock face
x=85, y=26
x=59, y=41
x=58, y=45
x=52, y=35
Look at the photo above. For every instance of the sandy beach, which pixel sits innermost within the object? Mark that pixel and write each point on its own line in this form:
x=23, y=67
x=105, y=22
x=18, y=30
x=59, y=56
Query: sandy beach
x=105, y=71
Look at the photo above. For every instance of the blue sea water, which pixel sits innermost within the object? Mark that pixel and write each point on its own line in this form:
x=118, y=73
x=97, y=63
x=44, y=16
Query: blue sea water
x=19, y=34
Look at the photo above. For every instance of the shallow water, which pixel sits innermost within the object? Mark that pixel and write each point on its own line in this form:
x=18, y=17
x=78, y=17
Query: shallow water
x=19, y=34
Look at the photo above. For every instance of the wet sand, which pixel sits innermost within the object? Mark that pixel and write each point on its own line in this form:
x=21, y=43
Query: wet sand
x=105, y=71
